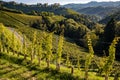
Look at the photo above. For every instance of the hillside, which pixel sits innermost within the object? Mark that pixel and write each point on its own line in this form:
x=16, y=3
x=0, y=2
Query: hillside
x=46, y=45
x=93, y=4
x=15, y=20
x=116, y=16
x=21, y=23
x=37, y=9
x=16, y=67
x=45, y=23
x=100, y=9
x=55, y=8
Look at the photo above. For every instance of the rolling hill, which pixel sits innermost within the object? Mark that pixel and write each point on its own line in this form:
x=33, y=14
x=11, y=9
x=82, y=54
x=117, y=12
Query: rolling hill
x=101, y=9
x=21, y=23
x=115, y=15
x=93, y=4
x=55, y=8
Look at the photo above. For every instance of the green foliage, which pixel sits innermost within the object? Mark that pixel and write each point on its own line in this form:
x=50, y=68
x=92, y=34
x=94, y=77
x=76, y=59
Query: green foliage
x=109, y=31
x=117, y=29
x=39, y=51
x=16, y=20
x=20, y=70
x=98, y=29
x=94, y=38
x=89, y=57
x=33, y=46
x=24, y=46
x=9, y=38
x=109, y=34
x=48, y=47
x=80, y=18
x=78, y=62
x=67, y=59
x=34, y=38
x=10, y=10
x=46, y=13
x=49, y=43
x=60, y=46
x=72, y=28
x=111, y=58
x=40, y=72
x=107, y=37
x=59, y=52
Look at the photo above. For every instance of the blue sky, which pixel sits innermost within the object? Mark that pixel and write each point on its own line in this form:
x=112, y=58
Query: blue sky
x=56, y=1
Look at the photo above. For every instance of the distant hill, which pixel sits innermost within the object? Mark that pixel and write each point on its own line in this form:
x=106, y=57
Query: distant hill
x=55, y=8
x=116, y=16
x=100, y=9
x=93, y=4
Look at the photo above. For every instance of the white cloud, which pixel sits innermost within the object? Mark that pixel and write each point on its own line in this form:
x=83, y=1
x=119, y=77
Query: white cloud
x=57, y=1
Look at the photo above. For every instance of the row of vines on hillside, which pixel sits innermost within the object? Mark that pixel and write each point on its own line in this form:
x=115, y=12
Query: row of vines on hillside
x=39, y=49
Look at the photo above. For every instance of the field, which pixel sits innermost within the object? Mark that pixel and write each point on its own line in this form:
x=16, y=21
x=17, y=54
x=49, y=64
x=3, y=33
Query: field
x=14, y=68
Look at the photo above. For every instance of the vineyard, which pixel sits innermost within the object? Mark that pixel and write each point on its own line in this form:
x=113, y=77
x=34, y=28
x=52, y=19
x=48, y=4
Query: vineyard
x=46, y=56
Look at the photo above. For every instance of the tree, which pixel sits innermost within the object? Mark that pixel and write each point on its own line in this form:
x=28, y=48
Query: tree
x=117, y=72
x=89, y=57
x=2, y=40
x=13, y=42
x=34, y=44
x=48, y=48
x=1, y=7
x=55, y=5
x=45, y=5
x=110, y=60
x=59, y=52
x=67, y=59
x=100, y=64
x=0, y=45
x=109, y=34
x=24, y=47
x=34, y=13
x=33, y=47
x=39, y=47
x=78, y=62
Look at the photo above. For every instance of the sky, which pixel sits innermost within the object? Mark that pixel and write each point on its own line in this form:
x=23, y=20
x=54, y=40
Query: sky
x=56, y=1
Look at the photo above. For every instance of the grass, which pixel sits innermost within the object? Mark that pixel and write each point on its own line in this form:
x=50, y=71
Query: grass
x=19, y=20
x=14, y=68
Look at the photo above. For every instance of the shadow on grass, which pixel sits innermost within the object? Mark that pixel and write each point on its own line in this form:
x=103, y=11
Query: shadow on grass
x=55, y=75
x=4, y=67
x=3, y=63
x=32, y=67
x=7, y=71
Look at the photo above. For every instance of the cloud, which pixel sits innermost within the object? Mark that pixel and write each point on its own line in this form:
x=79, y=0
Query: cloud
x=56, y=1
